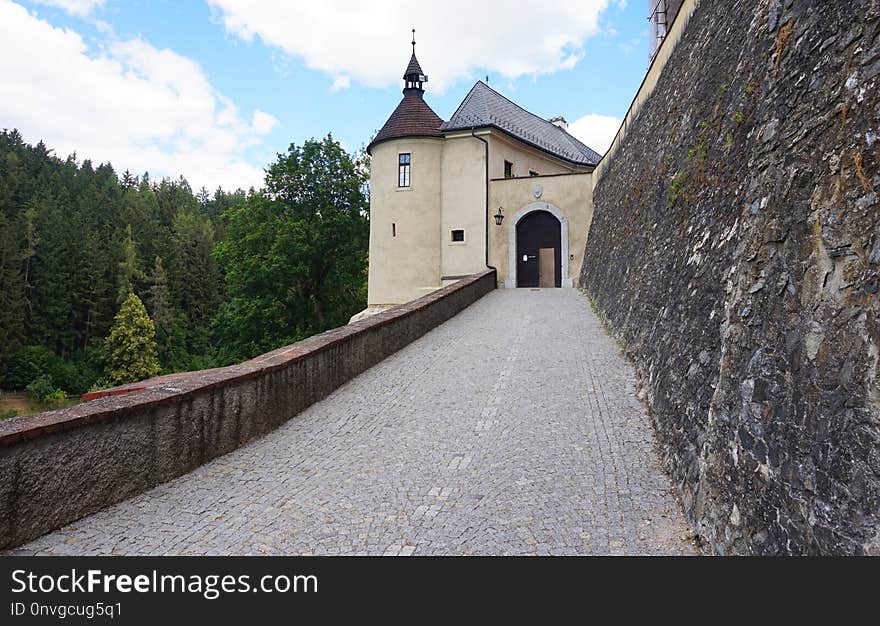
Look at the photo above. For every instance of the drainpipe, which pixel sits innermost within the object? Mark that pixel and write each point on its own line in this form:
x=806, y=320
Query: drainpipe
x=486, y=147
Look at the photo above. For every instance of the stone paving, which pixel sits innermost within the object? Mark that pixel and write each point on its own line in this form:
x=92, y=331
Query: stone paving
x=511, y=429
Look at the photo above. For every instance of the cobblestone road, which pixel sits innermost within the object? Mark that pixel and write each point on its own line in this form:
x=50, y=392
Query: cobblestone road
x=511, y=429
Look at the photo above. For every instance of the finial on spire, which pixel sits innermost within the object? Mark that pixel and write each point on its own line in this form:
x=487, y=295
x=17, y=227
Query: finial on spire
x=414, y=40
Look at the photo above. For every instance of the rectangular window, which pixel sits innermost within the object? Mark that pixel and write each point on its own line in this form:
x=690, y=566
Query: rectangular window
x=403, y=163
x=508, y=169
x=457, y=235
x=533, y=173
x=394, y=230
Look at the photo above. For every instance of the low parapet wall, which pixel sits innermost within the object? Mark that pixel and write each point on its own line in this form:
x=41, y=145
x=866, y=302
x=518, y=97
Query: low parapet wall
x=59, y=466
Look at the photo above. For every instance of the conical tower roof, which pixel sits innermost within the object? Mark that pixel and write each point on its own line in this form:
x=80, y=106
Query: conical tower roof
x=412, y=117
x=413, y=69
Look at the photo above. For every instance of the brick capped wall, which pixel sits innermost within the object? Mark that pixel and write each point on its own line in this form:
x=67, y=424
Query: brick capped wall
x=735, y=250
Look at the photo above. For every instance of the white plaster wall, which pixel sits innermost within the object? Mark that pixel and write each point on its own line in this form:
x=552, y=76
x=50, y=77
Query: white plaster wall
x=524, y=158
x=463, y=206
x=571, y=194
x=406, y=266
x=448, y=186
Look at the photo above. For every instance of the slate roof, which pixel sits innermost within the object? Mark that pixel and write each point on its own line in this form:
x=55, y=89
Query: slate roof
x=484, y=107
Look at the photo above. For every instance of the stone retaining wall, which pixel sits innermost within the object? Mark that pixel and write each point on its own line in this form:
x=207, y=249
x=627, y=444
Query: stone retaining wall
x=735, y=250
x=62, y=465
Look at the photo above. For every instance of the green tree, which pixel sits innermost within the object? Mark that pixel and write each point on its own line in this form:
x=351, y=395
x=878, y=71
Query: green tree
x=140, y=209
x=196, y=281
x=129, y=267
x=12, y=293
x=30, y=248
x=94, y=286
x=170, y=338
x=295, y=254
x=51, y=317
x=131, y=346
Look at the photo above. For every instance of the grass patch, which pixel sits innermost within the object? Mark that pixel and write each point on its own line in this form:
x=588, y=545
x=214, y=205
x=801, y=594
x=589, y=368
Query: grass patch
x=14, y=404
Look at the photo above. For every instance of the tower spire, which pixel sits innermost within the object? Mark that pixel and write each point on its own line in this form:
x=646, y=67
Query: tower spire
x=414, y=77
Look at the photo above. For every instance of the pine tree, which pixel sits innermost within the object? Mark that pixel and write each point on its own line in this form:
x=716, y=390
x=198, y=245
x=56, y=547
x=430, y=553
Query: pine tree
x=128, y=180
x=50, y=298
x=131, y=346
x=196, y=276
x=129, y=271
x=12, y=302
x=170, y=338
x=94, y=286
x=30, y=250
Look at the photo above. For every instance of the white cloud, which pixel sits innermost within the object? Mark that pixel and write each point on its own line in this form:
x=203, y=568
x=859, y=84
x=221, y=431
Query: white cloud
x=129, y=103
x=79, y=8
x=367, y=42
x=597, y=131
x=340, y=82
x=263, y=123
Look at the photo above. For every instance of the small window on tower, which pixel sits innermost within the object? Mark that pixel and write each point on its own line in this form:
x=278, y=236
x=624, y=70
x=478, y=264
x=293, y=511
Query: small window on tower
x=403, y=163
x=508, y=169
x=457, y=235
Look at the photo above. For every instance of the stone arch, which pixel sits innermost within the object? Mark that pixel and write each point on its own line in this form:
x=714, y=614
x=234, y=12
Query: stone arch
x=511, y=241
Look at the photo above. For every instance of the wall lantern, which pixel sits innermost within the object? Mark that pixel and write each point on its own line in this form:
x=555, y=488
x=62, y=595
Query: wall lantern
x=499, y=217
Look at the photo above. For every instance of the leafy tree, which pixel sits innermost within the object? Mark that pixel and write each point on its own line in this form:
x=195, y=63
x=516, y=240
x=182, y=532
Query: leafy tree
x=131, y=346
x=43, y=390
x=76, y=239
x=295, y=254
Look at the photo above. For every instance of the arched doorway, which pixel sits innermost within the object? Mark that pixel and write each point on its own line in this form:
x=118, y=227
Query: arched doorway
x=558, y=241
x=539, y=250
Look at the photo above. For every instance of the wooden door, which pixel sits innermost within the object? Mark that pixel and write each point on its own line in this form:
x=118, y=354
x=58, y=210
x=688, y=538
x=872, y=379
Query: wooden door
x=546, y=267
x=537, y=231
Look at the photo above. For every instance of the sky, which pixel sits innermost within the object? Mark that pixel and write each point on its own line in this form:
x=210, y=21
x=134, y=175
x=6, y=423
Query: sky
x=213, y=90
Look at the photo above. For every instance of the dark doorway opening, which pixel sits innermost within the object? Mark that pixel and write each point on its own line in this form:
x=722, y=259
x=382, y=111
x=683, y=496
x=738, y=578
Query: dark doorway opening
x=537, y=234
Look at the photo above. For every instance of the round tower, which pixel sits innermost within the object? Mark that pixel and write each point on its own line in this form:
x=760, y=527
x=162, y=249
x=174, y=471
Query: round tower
x=406, y=157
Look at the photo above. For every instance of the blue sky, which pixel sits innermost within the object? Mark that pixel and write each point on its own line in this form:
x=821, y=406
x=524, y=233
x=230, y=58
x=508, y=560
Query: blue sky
x=213, y=89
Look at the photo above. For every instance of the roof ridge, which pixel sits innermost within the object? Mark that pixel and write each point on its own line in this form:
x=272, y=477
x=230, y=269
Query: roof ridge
x=484, y=106
x=463, y=103
x=506, y=99
x=578, y=143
